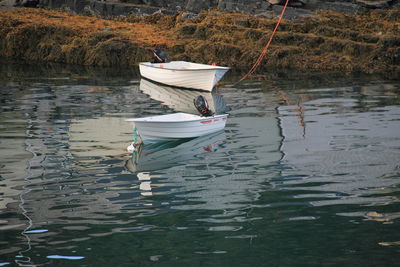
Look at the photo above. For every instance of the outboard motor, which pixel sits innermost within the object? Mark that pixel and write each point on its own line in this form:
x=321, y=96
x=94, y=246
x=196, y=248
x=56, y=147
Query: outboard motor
x=159, y=56
x=201, y=105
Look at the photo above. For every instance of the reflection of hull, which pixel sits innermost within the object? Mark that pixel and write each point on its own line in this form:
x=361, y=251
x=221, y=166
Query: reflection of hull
x=177, y=125
x=183, y=74
x=165, y=155
x=179, y=100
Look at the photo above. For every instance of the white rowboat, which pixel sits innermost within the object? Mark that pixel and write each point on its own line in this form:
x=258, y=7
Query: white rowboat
x=183, y=74
x=177, y=125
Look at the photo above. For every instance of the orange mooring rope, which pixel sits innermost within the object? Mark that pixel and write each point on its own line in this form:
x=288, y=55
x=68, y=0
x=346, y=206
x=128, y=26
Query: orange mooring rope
x=264, y=51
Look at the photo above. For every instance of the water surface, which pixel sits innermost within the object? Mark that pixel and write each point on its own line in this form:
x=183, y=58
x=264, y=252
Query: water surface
x=306, y=172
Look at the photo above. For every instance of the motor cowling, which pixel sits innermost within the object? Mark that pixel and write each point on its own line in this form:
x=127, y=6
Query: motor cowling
x=201, y=105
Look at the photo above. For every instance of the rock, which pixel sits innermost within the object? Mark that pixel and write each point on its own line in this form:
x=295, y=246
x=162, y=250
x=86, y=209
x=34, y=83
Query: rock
x=159, y=3
x=391, y=41
x=342, y=6
x=334, y=42
x=266, y=14
x=293, y=3
x=115, y=8
x=374, y=4
x=197, y=6
x=293, y=13
x=276, y=2
x=249, y=6
x=189, y=15
x=188, y=29
x=29, y=3
x=297, y=3
x=5, y=4
x=107, y=9
x=13, y=3
x=77, y=6
x=243, y=23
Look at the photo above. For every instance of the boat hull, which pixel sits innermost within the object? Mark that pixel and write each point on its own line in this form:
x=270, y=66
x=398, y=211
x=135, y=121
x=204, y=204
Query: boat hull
x=176, y=126
x=183, y=74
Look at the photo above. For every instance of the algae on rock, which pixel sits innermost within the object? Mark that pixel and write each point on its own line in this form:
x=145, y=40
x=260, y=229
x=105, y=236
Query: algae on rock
x=367, y=42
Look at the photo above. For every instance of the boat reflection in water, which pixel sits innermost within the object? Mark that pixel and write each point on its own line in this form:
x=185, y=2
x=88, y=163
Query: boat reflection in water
x=159, y=156
x=181, y=100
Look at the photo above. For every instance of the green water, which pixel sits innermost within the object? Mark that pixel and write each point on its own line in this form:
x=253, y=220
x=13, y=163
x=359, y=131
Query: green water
x=306, y=172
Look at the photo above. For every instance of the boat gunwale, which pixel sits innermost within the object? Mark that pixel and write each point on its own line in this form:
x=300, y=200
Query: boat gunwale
x=149, y=64
x=176, y=121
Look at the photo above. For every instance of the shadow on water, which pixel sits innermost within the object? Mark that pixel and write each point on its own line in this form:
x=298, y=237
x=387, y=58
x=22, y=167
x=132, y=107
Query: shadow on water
x=304, y=174
x=30, y=72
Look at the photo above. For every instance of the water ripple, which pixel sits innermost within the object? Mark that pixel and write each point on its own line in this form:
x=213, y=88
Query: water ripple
x=296, y=162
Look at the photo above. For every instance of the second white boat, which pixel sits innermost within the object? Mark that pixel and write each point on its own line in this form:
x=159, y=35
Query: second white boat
x=183, y=74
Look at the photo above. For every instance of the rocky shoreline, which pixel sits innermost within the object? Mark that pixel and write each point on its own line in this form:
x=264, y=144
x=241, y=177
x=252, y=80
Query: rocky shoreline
x=117, y=8
x=366, y=40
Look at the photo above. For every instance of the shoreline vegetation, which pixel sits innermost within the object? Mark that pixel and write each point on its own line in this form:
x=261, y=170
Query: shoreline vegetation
x=350, y=43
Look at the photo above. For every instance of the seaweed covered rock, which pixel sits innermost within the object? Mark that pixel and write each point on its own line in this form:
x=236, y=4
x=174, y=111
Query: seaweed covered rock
x=118, y=8
x=327, y=40
x=59, y=37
